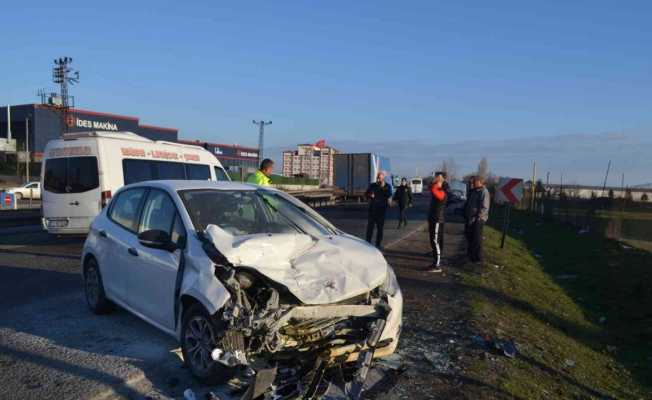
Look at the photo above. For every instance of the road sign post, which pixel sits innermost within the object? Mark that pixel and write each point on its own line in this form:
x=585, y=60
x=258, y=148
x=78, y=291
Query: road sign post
x=510, y=191
x=508, y=211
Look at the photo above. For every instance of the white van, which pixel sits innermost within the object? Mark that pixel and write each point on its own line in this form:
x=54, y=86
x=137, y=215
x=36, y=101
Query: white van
x=81, y=171
x=416, y=184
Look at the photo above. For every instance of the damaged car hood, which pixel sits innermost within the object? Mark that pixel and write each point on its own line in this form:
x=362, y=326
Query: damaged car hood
x=317, y=270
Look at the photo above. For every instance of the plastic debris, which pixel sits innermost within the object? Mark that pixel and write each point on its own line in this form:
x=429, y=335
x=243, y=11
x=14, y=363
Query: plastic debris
x=188, y=394
x=568, y=363
x=505, y=347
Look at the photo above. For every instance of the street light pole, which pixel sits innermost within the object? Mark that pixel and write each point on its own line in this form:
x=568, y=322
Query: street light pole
x=27, y=149
x=261, y=132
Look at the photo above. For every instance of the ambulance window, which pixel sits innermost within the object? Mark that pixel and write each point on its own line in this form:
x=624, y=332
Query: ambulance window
x=55, y=175
x=220, y=175
x=82, y=174
x=136, y=171
x=198, y=172
x=71, y=175
x=170, y=170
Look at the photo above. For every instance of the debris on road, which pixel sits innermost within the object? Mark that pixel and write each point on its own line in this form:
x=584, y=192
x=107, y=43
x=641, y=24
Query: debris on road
x=505, y=347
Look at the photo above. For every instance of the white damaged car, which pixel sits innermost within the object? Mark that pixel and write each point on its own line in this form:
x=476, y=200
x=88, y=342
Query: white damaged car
x=247, y=279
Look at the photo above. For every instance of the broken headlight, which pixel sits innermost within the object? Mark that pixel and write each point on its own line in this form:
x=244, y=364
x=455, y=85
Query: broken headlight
x=391, y=284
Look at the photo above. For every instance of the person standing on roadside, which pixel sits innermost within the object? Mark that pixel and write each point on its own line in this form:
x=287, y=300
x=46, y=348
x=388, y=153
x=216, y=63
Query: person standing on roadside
x=403, y=197
x=379, y=193
x=477, y=214
x=436, y=219
x=261, y=176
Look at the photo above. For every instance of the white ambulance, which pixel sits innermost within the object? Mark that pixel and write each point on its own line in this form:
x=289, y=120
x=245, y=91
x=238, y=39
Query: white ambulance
x=81, y=171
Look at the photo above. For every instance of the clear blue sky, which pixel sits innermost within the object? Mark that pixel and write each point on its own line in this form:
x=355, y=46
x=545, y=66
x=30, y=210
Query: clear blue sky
x=370, y=71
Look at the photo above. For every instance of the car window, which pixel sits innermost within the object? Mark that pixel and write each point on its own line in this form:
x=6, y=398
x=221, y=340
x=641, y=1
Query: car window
x=158, y=213
x=220, y=175
x=198, y=172
x=124, y=209
x=178, y=235
x=32, y=186
x=250, y=212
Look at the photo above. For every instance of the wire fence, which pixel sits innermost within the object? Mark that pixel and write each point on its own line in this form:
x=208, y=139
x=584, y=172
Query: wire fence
x=619, y=219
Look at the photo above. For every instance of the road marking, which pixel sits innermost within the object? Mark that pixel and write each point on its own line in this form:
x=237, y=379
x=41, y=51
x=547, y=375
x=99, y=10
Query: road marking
x=397, y=241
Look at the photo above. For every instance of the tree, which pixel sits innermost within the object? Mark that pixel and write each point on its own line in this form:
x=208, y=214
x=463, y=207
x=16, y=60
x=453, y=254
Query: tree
x=449, y=166
x=644, y=197
x=483, y=168
x=611, y=193
x=628, y=195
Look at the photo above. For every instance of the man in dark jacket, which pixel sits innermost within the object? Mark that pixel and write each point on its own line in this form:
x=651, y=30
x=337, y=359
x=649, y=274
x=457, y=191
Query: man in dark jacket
x=476, y=213
x=403, y=197
x=436, y=219
x=378, y=194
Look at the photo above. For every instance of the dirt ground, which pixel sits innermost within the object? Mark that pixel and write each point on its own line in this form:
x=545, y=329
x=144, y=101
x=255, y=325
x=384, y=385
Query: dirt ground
x=436, y=341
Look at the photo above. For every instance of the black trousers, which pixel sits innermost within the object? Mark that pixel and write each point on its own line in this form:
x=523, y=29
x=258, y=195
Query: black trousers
x=436, y=233
x=376, y=219
x=473, y=233
x=402, y=217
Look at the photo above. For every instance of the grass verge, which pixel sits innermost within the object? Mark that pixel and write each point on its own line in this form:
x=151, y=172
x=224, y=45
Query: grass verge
x=579, y=308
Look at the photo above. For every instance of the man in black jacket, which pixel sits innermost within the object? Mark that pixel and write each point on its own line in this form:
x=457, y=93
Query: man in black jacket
x=378, y=194
x=403, y=197
x=436, y=219
x=476, y=213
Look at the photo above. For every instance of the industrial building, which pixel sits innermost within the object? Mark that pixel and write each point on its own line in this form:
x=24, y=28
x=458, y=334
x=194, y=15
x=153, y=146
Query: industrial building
x=33, y=125
x=310, y=160
x=237, y=160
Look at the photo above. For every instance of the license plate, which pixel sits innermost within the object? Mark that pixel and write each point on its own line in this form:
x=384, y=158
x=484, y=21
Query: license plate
x=57, y=223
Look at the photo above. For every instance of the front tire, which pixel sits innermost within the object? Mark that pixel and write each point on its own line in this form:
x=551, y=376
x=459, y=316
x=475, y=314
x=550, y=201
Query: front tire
x=94, y=289
x=199, y=336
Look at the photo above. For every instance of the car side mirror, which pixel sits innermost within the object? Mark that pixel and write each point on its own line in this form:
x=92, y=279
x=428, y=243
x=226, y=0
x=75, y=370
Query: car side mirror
x=157, y=239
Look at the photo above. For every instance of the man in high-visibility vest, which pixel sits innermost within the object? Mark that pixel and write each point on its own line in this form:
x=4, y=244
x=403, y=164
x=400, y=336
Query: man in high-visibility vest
x=261, y=177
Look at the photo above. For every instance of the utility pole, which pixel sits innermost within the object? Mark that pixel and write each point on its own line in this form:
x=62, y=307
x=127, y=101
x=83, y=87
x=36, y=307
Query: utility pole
x=27, y=150
x=561, y=184
x=534, y=176
x=261, y=132
x=604, y=185
x=64, y=75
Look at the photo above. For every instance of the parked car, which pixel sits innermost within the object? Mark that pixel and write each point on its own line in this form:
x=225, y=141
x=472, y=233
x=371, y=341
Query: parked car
x=242, y=276
x=29, y=190
x=456, y=198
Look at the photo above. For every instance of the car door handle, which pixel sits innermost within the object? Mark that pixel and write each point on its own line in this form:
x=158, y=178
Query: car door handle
x=133, y=251
x=74, y=203
x=102, y=233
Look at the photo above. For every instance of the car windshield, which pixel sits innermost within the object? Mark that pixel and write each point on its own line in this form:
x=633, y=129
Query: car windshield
x=247, y=212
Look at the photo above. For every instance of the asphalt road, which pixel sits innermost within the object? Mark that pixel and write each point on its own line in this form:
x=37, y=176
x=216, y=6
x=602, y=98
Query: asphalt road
x=51, y=346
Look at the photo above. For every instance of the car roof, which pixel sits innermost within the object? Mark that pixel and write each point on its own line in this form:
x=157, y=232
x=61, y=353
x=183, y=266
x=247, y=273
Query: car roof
x=176, y=185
